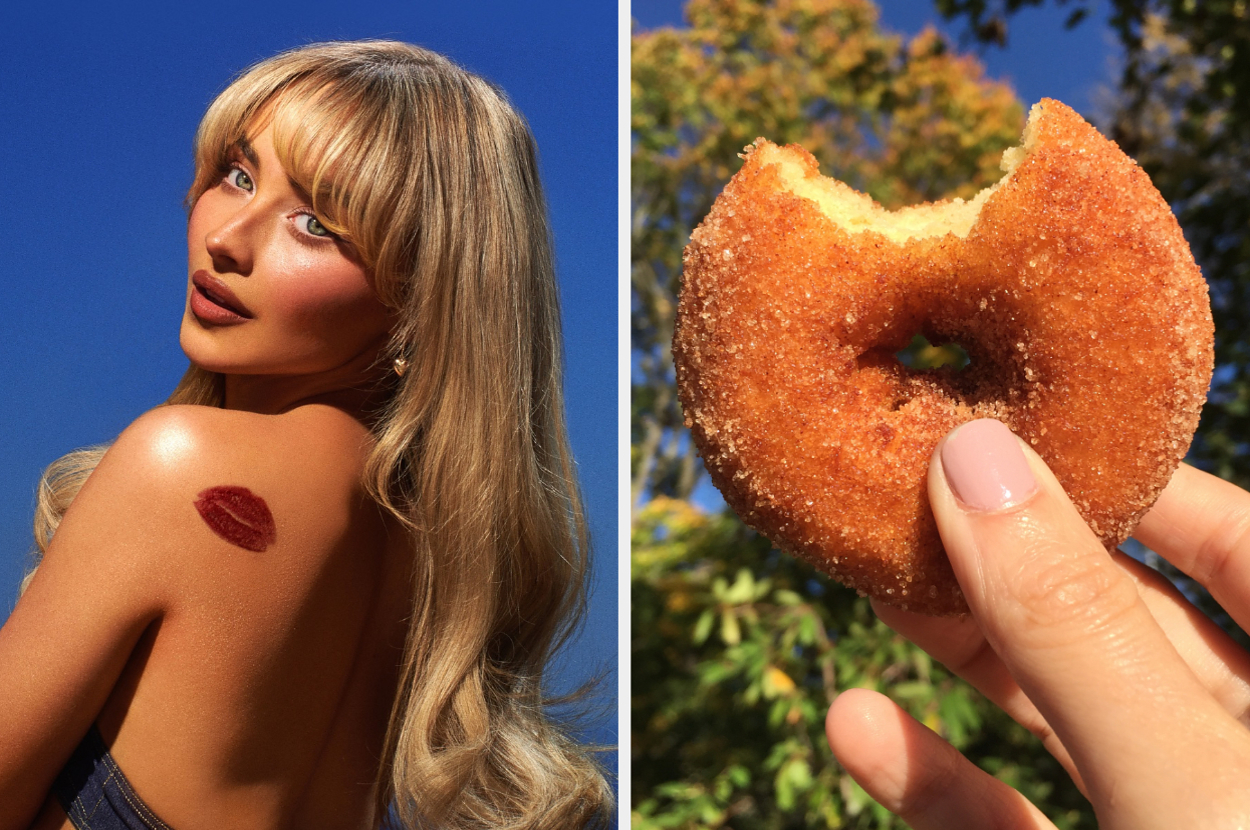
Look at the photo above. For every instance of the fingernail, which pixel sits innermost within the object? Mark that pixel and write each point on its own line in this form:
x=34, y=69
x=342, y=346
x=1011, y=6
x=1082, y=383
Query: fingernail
x=985, y=467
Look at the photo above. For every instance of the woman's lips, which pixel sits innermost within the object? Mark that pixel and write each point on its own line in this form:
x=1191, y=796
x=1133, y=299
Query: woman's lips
x=212, y=301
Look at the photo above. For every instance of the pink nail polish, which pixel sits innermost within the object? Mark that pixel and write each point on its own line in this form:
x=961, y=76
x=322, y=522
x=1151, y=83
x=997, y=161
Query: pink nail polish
x=985, y=467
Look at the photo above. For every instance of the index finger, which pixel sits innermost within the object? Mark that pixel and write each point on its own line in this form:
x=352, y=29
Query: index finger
x=1201, y=524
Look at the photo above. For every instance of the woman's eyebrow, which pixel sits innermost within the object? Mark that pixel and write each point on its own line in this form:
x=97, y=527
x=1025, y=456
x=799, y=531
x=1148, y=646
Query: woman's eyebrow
x=245, y=147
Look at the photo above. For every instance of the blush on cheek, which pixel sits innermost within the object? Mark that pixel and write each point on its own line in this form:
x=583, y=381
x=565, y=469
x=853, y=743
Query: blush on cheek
x=237, y=515
x=318, y=285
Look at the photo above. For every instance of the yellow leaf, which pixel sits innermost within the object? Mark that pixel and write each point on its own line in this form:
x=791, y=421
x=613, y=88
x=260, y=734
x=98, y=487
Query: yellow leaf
x=779, y=681
x=678, y=601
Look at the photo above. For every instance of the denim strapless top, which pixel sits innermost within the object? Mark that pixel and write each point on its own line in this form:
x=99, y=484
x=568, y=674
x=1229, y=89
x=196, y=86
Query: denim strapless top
x=96, y=796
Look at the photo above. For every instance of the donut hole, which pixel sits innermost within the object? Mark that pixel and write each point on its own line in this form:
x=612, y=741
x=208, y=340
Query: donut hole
x=920, y=355
x=955, y=366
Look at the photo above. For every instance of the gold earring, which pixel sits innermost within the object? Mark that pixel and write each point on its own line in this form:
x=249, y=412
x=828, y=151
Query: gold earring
x=400, y=365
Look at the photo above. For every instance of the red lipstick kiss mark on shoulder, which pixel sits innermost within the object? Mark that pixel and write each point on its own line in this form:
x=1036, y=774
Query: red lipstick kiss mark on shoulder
x=239, y=516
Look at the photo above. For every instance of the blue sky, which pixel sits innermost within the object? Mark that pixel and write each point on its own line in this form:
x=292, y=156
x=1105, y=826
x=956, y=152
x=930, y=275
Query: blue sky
x=98, y=105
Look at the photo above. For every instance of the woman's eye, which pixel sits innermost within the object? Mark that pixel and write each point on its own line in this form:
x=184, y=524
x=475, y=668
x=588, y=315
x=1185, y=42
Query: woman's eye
x=313, y=226
x=237, y=177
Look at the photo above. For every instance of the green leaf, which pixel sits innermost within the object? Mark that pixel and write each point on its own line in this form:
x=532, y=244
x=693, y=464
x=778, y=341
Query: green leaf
x=703, y=627
x=784, y=596
x=729, y=630
x=742, y=589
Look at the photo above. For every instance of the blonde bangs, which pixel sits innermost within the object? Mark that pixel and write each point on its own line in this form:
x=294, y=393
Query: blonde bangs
x=341, y=138
x=346, y=150
x=227, y=122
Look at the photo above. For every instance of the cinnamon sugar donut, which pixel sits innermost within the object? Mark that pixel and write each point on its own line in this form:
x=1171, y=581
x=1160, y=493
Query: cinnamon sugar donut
x=1068, y=283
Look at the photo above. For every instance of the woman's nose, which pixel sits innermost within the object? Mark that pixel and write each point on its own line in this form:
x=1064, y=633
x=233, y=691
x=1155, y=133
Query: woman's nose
x=231, y=244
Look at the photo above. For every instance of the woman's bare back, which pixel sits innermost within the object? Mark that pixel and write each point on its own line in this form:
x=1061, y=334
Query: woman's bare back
x=258, y=693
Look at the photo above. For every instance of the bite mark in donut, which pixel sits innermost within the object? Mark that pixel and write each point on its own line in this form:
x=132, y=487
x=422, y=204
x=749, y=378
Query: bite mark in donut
x=1068, y=283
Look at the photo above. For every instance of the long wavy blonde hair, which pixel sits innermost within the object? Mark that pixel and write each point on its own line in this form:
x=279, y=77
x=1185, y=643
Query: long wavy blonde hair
x=427, y=170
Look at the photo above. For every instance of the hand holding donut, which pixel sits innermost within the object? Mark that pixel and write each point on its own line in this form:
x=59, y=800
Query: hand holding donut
x=1142, y=698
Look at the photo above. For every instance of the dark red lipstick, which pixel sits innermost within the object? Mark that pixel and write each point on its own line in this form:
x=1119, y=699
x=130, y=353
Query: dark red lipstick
x=239, y=516
x=212, y=301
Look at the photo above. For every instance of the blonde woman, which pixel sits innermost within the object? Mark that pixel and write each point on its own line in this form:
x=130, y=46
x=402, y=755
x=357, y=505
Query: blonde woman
x=325, y=578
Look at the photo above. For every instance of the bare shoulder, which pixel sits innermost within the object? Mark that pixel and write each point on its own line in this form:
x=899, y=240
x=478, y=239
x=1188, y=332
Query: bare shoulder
x=205, y=484
x=187, y=496
x=180, y=442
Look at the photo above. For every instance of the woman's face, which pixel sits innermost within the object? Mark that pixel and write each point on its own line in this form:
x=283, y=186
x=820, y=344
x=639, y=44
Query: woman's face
x=271, y=292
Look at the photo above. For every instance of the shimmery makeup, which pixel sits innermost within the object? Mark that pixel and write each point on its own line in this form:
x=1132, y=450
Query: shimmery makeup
x=237, y=515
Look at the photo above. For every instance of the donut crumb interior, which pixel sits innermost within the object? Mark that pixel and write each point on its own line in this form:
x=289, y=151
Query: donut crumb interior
x=857, y=212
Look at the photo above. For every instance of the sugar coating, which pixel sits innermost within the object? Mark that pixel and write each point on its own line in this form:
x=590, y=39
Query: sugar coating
x=1068, y=283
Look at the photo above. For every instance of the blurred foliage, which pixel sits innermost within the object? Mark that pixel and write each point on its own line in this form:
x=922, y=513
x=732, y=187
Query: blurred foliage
x=1182, y=110
x=736, y=649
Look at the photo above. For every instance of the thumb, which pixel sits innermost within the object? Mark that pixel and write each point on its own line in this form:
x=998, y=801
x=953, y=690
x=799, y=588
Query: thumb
x=1067, y=621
